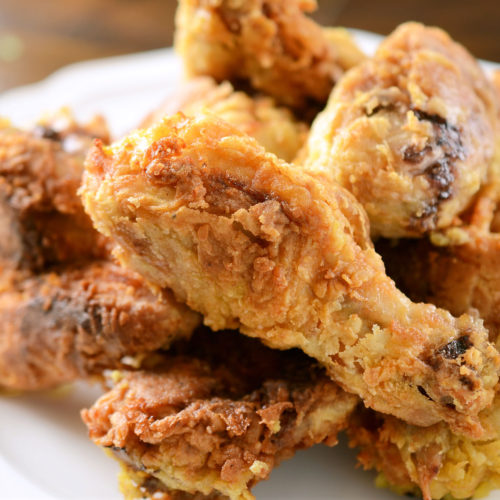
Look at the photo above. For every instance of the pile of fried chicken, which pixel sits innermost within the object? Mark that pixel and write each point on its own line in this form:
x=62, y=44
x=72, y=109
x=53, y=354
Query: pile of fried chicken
x=330, y=219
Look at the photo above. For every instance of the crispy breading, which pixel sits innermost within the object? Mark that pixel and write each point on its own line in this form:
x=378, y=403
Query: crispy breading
x=432, y=461
x=42, y=222
x=66, y=313
x=270, y=44
x=254, y=243
x=460, y=274
x=274, y=127
x=73, y=323
x=136, y=484
x=409, y=132
x=205, y=421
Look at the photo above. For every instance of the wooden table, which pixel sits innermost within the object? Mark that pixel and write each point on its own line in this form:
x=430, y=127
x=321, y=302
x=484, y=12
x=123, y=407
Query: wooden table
x=37, y=37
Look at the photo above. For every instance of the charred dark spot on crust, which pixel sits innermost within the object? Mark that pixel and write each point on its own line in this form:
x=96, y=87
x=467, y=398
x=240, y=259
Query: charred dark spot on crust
x=455, y=348
x=45, y=132
x=442, y=177
x=464, y=380
x=440, y=173
x=424, y=392
x=413, y=155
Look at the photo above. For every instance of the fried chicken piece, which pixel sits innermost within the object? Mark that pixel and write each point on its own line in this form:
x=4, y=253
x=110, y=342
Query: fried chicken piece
x=409, y=132
x=274, y=127
x=217, y=417
x=61, y=326
x=42, y=222
x=136, y=484
x=433, y=460
x=66, y=313
x=462, y=273
x=254, y=243
x=270, y=44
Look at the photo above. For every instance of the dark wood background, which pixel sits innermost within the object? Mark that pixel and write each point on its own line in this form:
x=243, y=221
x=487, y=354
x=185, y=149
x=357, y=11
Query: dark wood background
x=39, y=36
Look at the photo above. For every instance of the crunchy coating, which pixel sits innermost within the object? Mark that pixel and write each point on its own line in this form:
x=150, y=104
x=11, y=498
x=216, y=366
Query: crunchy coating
x=409, y=132
x=73, y=323
x=66, y=313
x=461, y=274
x=432, y=461
x=136, y=484
x=274, y=127
x=203, y=421
x=271, y=44
x=254, y=243
x=42, y=222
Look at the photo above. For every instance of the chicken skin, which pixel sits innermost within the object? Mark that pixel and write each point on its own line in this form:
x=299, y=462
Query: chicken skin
x=200, y=421
x=66, y=311
x=42, y=221
x=409, y=132
x=460, y=272
x=70, y=324
x=253, y=243
x=274, y=127
x=269, y=44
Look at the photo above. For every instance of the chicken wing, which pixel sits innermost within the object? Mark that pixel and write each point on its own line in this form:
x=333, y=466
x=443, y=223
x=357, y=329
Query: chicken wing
x=254, y=243
x=410, y=132
x=274, y=127
x=208, y=422
x=271, y=44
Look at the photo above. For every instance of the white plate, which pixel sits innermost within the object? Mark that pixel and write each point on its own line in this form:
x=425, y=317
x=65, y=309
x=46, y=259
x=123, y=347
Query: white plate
x=44, y=450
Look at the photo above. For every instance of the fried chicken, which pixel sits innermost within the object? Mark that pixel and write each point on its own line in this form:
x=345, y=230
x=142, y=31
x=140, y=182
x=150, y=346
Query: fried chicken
x=433, y=460
x=203, y=421
x=73, y=323
x=409, y=132
x=459, y=272
x=66, y=311
x=254, y=243
x=270, y=44
x=274, y=127
x=42, y=222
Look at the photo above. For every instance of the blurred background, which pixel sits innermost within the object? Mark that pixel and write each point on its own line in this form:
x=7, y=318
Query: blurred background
x=39, y=36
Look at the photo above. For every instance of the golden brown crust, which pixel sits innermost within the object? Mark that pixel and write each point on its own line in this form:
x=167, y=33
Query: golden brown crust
x=270, y=44
x=274, y=127
x=64, y=312
x=460, y=274
x=410, y=132
x=432, y=461
x=252, y=242
x=70, y=324
x=200, y=423
x=42, y=222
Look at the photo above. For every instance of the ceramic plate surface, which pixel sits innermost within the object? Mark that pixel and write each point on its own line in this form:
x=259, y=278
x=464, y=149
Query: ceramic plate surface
x=44, y=450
